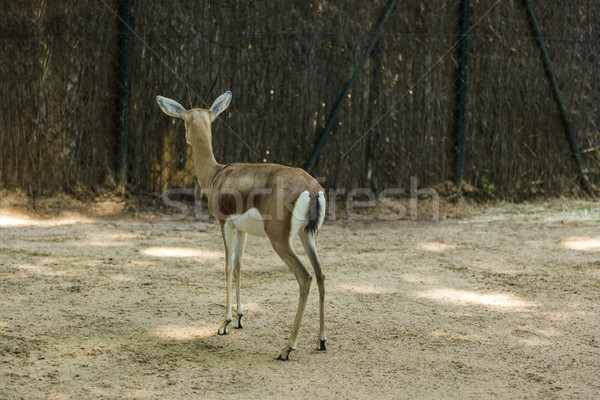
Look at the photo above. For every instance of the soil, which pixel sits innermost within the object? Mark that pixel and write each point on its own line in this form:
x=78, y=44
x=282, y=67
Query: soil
x=501, y=301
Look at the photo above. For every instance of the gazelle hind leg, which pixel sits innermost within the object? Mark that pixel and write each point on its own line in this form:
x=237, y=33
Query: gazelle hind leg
x=240, y=245
x=310, y=246
x=227, y=231
x=289, y=256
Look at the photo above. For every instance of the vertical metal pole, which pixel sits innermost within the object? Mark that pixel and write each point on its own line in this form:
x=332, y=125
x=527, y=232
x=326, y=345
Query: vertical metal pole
x=317, y=149
x=588, y=186
x=123, y=87
x=461, y=93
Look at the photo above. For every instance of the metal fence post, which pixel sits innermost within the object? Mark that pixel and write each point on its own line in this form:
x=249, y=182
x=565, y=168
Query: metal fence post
x=588, y=186
x=123, y=87
x=317, y=149
x=461, y=93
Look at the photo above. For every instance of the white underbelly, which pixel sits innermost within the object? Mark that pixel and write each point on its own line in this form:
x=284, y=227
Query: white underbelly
x=250, y=222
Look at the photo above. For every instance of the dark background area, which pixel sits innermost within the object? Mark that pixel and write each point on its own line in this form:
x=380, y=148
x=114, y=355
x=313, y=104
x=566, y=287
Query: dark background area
x=78, y=87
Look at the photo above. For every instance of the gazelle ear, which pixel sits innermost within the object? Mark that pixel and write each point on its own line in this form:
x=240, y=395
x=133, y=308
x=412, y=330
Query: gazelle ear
x=171, y=107
x=221, y=103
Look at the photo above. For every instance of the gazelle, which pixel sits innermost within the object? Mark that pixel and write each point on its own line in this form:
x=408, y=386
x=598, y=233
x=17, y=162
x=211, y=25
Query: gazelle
x=269, y=200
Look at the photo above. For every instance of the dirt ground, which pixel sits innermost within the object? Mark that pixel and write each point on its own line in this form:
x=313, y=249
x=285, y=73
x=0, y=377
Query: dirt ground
x=493, y=302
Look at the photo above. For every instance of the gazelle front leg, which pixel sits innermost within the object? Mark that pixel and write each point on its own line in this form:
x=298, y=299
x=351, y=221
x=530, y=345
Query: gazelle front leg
x=227, y=231
x=240, y=245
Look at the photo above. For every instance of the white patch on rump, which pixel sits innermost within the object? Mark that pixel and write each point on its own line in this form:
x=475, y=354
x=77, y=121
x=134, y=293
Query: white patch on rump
x=300, y=213
x=251, y=222
x=322, y=208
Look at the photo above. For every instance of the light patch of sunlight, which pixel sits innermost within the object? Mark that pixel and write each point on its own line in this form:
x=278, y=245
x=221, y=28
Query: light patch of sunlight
x=364, y=288
x=40, y=269
x=581, y=243
x=180, y=252
x=7, y=221
x=4, y=325
x=17, y=220
x=496, y=301
x=181, y=332
x=458, y=336
x=436, y=246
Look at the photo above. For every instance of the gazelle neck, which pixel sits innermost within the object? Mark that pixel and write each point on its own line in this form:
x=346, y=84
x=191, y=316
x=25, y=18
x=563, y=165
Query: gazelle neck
x=204, y=159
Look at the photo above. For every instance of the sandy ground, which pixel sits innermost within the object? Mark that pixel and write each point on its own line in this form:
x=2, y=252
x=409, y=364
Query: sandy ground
x=500, y=303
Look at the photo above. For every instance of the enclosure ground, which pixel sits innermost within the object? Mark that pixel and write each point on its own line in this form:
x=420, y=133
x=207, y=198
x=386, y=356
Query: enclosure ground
x=501, y=303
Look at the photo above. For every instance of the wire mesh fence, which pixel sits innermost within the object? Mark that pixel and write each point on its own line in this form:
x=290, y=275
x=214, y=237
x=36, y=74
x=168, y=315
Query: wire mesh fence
x=79, y=82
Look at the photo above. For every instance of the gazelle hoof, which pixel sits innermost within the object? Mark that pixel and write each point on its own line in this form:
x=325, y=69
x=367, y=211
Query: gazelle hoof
x=223, y=328
x=238, y=324
x=285, y=354
x=321, y=346
x=223, y=331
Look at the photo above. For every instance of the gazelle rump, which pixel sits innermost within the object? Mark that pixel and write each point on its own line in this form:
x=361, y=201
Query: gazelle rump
x=270, y=200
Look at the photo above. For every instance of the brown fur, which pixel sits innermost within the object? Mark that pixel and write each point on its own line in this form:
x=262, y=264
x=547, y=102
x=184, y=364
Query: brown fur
x=274, y=191
x=271, y=189
x=254, y=183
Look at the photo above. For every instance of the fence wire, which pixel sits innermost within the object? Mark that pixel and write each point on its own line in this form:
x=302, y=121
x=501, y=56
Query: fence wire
x=80, y=78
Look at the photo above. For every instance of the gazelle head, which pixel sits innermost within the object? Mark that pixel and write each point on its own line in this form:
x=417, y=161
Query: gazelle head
x=197, y=120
